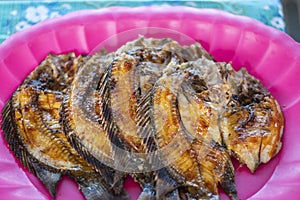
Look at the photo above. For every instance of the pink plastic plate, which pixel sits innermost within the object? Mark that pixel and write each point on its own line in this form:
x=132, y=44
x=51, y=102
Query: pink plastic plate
x=268, y=54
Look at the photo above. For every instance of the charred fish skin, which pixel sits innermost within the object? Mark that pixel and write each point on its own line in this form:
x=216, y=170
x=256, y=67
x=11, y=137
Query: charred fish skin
x=253, y=123
x=32, y=129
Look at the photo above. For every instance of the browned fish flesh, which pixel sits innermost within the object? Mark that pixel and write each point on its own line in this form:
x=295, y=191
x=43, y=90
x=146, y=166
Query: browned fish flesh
x=201, y=122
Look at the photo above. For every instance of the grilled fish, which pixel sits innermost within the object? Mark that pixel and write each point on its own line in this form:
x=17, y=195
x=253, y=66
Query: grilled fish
x=200, y=120
x=168, y=115
x=132, y=75
x=249, y=118
x=185, y=131
x=85, y=130
x=252, y=124
x=34, y=133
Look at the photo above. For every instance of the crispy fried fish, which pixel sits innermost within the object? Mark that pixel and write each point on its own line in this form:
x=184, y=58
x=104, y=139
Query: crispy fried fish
x=34, y=133
x=250, y=119
x=174, y=145
x=125, y=94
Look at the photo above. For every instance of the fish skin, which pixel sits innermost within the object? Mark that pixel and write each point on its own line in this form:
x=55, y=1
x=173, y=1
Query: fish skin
x=34, y=109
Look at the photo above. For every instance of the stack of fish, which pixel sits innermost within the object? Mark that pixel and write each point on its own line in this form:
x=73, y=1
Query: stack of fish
x=168, y=115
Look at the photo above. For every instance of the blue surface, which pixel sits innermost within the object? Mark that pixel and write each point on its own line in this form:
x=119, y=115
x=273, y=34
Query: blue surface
x=18, y=15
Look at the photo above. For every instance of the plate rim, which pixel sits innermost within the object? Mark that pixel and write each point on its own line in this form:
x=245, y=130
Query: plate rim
x=21, y=37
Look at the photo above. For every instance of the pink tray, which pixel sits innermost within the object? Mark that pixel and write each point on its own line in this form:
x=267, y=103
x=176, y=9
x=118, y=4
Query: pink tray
x=268, y=54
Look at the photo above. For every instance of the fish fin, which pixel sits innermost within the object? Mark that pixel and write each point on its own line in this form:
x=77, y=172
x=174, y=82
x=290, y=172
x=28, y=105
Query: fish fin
x=112, y=177
x=74, y=141
x=107, y=122
x=144, y=121
x=164, y=184
x=148, y=193
x=173, y=195
x=93, y=188
x=227, y=182
x=224, y=170
x=106, y=117
x=10, y=130
x=122, y=196
x=49, y=179
x=119, y=178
